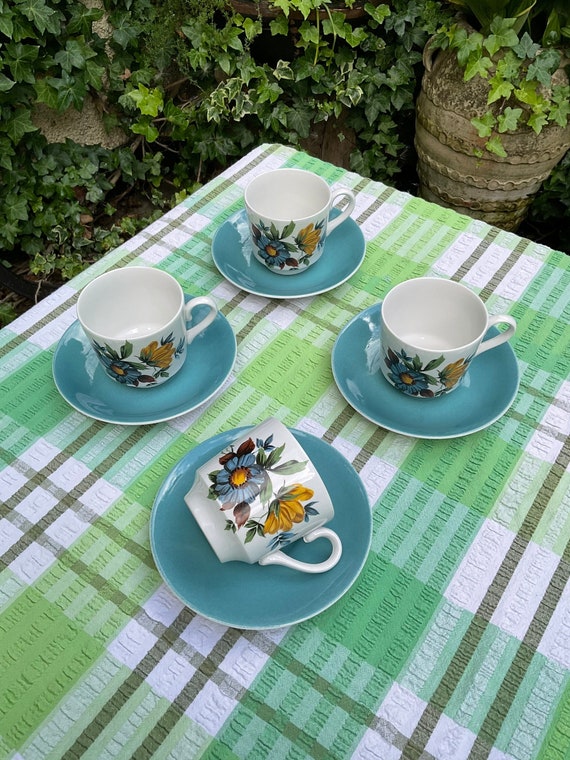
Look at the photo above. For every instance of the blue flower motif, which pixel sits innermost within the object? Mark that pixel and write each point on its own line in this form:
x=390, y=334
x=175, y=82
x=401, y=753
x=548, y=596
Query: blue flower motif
x=241, y=478
x=273, y=252
x=408, y=380
x=120, y=370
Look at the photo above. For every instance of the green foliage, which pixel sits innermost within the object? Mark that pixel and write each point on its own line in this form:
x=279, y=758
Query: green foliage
x=550, y=211
x=519, y=73
x=55, y=194
x=194, y=85
x=363, y=73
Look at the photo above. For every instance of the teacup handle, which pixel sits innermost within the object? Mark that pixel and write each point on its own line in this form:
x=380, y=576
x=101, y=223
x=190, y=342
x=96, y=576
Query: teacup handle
x=279, y=558
x=192, y=332
x=498, y=319
x=349, y=195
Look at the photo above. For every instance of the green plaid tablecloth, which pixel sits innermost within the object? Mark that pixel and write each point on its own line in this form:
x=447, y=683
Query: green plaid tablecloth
x=454, y=641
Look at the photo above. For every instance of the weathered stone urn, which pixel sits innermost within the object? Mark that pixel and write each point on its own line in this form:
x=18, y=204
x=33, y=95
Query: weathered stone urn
x=455, y=170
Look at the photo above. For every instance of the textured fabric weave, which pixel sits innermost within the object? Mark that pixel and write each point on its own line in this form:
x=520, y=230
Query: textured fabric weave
x=454, y=642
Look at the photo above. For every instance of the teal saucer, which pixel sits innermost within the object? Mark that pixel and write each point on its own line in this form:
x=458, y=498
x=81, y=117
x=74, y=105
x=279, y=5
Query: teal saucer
x=250, y=596
x=85, y=385
x=233, y=256
x=486, y=392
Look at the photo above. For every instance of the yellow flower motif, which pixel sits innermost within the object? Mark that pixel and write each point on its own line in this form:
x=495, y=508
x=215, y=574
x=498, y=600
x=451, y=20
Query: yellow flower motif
x=452, y=374
x=287, y=509
x=308, y=239
x=157, y=355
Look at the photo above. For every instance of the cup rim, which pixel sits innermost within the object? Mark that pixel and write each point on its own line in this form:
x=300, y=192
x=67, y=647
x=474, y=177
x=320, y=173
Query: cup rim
x=323, y=210
x=92, y=286
x=446, y=283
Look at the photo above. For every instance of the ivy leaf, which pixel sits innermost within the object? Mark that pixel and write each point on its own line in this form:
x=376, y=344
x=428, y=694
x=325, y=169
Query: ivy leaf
x=149, y=102
x=47, y=94
x=536, y=121
x=18, y=124
x=70, y=91
x=299, y=120
x=72, y=56
x=542, y=68
x=6, y=24
x=42, y=17
x=5, y=83
x=146, y=129
x=502, y=35
x=495, y=145
x=484, y=125
x=16, y=208
x=378, y=12
x=499, y=89
x=560, y=109
x=20, y=58
x=82, y=19
x=509, y=119
x=283, y=71
x=526, y=47
x=124, y=32
x=479, y=66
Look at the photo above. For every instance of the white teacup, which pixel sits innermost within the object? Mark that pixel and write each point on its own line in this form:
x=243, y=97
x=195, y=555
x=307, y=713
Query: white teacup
x=289, y=217
x=431, y=330
x=136, y=318
x=259, y=495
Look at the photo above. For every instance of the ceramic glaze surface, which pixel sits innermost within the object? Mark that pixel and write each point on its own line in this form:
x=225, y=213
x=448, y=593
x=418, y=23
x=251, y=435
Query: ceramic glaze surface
x=431, y=330
x=258, y=495
x=232, y=251
x=82, y=381
x=246, y=595
x=289, y=218
x=488, y=390
x=136, y=319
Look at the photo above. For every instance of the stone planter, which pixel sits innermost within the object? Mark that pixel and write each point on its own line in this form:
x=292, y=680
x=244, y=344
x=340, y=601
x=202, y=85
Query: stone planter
x=494, y=189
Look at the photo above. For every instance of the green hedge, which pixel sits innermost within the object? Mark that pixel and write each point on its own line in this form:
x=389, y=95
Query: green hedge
x=193, y=85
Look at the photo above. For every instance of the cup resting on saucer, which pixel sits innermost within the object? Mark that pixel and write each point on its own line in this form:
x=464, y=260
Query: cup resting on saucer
x=259, y=495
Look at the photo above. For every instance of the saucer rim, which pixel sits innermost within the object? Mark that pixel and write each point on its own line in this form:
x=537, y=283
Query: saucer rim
x=181, y=477
x=74, y=330
x=406, y=429
x=355, y=229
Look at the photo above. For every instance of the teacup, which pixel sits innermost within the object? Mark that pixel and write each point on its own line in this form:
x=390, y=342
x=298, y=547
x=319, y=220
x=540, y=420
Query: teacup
x=261, y=494
x=431, y=330
x=136, y=320
x=289, y=214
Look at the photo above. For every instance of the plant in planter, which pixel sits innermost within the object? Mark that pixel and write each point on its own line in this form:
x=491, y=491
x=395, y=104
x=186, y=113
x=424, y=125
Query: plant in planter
x=492, y=115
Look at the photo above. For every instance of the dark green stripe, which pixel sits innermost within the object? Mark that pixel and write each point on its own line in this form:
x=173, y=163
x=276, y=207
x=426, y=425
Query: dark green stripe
x=478, y=625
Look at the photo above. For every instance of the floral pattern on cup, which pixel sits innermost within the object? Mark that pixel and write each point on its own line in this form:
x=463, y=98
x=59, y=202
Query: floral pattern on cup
x=153, y=361
x=408, y=375
x=244, y=479
x=277, y=251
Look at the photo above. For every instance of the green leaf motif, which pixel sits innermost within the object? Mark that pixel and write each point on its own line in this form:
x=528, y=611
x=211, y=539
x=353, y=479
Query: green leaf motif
x=434, y=363
x=274, y=456
x=289, y=468
x=126, y=349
